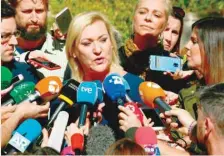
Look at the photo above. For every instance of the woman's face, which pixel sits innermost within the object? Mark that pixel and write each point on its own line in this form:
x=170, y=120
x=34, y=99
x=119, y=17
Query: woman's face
x=150, y=17
x=171, y=33
x=94, y=49
x=194, y=55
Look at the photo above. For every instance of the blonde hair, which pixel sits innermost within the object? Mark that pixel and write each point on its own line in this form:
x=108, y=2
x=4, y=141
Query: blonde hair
x=77, y=25
x=168, y=7
x=168, y=10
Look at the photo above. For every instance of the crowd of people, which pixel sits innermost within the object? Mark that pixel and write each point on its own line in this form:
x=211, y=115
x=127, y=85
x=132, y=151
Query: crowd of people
x=83, y=97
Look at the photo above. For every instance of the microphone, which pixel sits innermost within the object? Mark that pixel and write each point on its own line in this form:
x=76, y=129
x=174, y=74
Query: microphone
x=6, y=77
x=99, y=139
x=23, y=136
x=146, y=137
x=19, y=93
x=151, y=94
x=114, y=88
x=134, y=108
x=77, y=141
x=100, y=91
x=130, y=133
x=86, y=97
x=45, y=90
x=57, y=134
x=67, y=96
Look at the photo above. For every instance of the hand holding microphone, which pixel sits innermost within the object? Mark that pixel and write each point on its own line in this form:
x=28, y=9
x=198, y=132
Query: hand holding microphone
x=183, y=116
x=152, y=95
x=128, y=119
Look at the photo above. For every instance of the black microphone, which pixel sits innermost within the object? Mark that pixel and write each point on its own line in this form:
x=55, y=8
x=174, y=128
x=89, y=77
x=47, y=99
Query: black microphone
x=67, y=97
x=99, y=139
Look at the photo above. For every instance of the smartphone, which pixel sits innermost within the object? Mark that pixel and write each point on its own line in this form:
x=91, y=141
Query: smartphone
x=45, y=63
x=63, y=20
x=17, y=79
x=151, y=113
x=164, y=63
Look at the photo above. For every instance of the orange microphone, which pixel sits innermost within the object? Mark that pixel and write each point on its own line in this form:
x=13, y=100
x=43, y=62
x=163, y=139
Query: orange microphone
x=152, y=95
x=49, y=87
x=46, y=89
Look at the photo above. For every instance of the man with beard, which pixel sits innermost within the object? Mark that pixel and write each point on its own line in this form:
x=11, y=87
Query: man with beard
x=31, y=20
x=9, y=34
x=208, y=130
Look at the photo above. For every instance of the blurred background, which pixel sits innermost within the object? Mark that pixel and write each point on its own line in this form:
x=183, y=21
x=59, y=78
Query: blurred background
x=120, y=12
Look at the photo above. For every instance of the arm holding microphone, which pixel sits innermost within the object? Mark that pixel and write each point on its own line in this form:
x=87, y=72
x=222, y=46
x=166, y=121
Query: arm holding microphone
x=183, y=116
x=23, y=111
x=129, y=119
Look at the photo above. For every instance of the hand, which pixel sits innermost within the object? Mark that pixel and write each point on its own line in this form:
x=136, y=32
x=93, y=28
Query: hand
x=72, y=129
x=173, y=54
x=127, y=119
x=36, y=54
x=171, y=97
x=45, y=137
x=147, y=122
x=32, y=110
x=183, y=116
x=180, y=74
x=5, y=91
x=6, y=112
x=98, y=113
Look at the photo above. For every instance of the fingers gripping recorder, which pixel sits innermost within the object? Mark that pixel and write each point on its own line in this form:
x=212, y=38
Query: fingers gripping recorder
x=152, y=95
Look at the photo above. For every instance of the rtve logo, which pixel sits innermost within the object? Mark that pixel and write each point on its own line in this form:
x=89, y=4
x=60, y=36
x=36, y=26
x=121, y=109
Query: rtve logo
x=85, y=89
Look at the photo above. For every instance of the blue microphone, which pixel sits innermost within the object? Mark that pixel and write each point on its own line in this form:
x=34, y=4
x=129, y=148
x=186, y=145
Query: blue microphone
x=23, y=136
x=100, y=91
x=114, y=88
x=86, y=97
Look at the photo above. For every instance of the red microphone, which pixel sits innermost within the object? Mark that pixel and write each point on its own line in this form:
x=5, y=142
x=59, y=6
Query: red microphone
x=146, y=137
x=77, y=141
x=135, y=109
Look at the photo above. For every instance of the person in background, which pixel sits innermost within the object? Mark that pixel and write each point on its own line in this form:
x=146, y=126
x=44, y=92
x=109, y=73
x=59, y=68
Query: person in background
x=34, y=41
x=9, y=35
x=172, y=33
x=149, y=21
x=125, y=146
x=208, y=129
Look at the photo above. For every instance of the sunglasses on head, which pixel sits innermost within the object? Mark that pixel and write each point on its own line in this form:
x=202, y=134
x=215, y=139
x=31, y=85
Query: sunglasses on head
x=179, y=12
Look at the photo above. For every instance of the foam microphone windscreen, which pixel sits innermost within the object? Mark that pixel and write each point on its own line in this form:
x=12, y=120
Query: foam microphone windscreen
x=6, y=77
x=19, y=93
x=49, y=87
x=22, y=91
x=130, y=133
x=114, y=87
x=86, y=97
x=99, y=139
x=23, y=136
x=149, y=91
x=68, y=92
x=146, y=137
x=77, y=141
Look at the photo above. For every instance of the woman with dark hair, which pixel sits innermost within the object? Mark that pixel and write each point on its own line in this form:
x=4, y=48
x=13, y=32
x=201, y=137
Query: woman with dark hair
x=207, y=49
x=173, y=31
